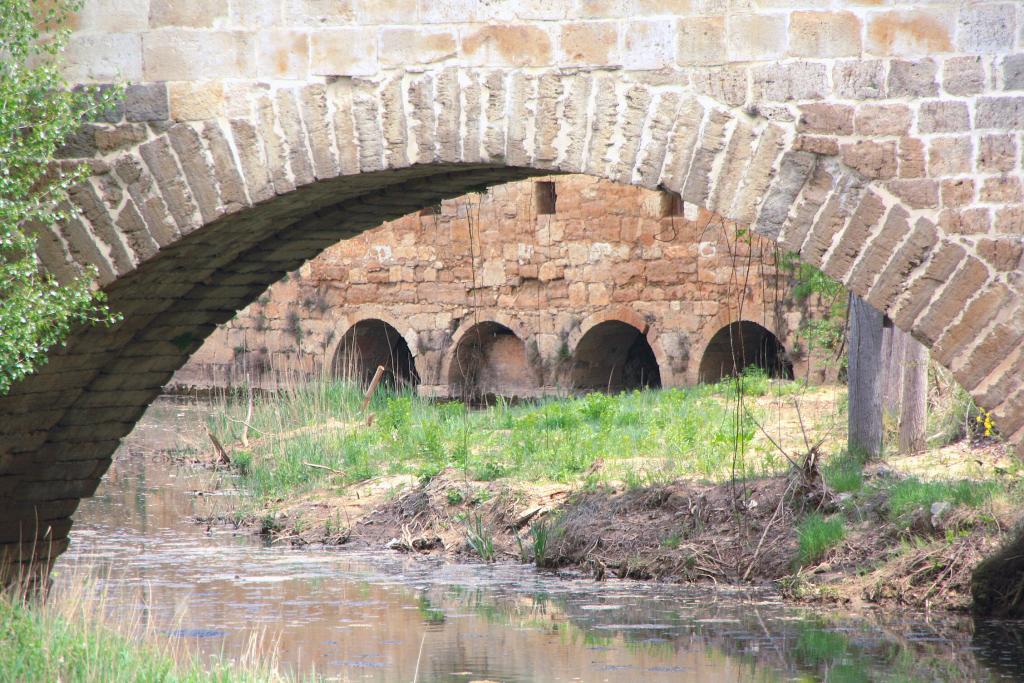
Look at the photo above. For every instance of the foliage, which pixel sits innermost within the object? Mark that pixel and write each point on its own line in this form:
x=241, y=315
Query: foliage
x=480, y=539
x=816, y=535
x=37, y=114
x=845, y=473
x=827, y=332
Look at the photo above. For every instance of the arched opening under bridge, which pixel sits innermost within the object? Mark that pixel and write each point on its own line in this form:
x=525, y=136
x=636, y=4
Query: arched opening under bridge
x=371, y=343
x=614, y=356
x=742, y=344
x=490, y=360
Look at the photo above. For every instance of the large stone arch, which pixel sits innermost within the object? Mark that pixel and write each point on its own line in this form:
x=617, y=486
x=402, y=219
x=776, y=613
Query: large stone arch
x=189, y=220
x=346, y=321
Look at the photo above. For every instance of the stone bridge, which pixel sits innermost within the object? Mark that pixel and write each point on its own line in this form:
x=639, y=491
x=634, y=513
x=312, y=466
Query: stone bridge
x=881, y=142
x=542, y=287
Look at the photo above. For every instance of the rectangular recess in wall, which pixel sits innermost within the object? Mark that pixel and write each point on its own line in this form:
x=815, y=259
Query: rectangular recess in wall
x=671, y=204
x=545, y=197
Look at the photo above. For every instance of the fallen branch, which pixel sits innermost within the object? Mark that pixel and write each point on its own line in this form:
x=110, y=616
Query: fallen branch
x=323, y=467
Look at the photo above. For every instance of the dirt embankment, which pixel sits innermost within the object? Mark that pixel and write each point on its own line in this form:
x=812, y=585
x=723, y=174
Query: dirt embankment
x=682, y=532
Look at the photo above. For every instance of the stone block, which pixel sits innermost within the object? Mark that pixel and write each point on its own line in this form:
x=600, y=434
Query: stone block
x=256, y=13
x=186, y=13
x=320, y=12
x=871, y=159
x=910, y=32
x=112, y=16
x=917, y=193
x=146, y=102
x=824, y=34
x=997, y=153
x=942, y=116
x=912, y=158
x=103, y=57
x=756, y=37
x=343, y=52
x=196, y=100
x=282, y=54
x=859, y=79
x=369, y=12
x=408, y=46
x=648, y=44
x=701, y=40
x=951, y=155
x=1003, y=189
x=726, y=84
x=1013, y=72
x=186, y=54
x=986, y=28
x=957, y=192
x=1003, y=253
x=507, y=45
x=963, y=76
x=830, y=119
x=912, y=79
x=1006, y=113
x=882, y=119
x=790, y=81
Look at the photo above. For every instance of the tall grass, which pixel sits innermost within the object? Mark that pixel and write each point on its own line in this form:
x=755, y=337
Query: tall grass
x=73, y=636
x=315, y=435
x=817, y=535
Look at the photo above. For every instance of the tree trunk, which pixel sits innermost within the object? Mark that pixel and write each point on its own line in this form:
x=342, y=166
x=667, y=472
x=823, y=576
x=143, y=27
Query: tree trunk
x=914, y=408
x=864, y=376
x=894, y=347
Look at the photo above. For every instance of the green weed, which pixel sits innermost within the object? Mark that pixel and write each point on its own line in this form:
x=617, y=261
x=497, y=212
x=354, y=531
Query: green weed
x=908, y=495
x=480, y=539
x=817, y=535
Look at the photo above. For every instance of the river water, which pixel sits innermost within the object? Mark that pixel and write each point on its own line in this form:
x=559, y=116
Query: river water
x=384, y=616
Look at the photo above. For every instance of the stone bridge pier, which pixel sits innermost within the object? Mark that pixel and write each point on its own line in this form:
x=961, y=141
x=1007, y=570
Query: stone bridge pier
x=881, y=142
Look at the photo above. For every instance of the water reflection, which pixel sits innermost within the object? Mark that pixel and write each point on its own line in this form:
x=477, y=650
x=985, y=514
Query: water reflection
x=389, y=617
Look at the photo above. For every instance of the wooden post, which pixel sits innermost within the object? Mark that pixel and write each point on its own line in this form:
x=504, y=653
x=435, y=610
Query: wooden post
x=377, y=377
x=864, y=379
x=914, y=410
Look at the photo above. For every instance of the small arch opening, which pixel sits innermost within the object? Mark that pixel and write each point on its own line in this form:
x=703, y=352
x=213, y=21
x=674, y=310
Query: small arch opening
x=614, y=356
x=489, y=361
x=739, y=345
x=369, y=344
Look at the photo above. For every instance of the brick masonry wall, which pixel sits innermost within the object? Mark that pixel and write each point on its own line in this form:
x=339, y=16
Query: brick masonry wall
x=608, y=252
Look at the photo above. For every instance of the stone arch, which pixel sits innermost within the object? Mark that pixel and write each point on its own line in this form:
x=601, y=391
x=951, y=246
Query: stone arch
x=489, y=358
x=189, y=221
x=371, y=342
x=614, y=351
x=740, y=344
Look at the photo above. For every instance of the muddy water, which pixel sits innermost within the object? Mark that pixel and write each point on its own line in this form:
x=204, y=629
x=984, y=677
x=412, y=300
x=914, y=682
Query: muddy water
x=390, y=617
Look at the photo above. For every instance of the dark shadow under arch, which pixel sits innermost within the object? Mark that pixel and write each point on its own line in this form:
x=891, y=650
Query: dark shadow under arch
x=490, y=360
x=614, y=356
x=741, y=344
x=371, y=343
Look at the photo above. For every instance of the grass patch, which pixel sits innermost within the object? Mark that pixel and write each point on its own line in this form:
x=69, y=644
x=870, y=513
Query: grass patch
x=817, y=535
x=71, y=638
x=315, y=436
x=910, y=494
x=844, y=474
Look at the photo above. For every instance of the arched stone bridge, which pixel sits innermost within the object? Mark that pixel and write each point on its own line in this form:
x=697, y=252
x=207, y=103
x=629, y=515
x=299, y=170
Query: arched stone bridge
x=880, y=142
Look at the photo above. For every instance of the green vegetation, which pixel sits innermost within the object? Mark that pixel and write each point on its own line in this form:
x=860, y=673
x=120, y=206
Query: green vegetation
x=909, y=494
x=38, y=113
x=315, y=436
x=73, y=641
x=480, y=539
x=817, y=535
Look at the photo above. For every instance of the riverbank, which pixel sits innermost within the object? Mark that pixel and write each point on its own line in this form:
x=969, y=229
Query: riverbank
x=676, y=485
x=73, y=637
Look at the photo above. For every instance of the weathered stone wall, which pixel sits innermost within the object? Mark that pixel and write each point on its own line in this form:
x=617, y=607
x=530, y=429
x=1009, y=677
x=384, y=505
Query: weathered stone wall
x=609, y=252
